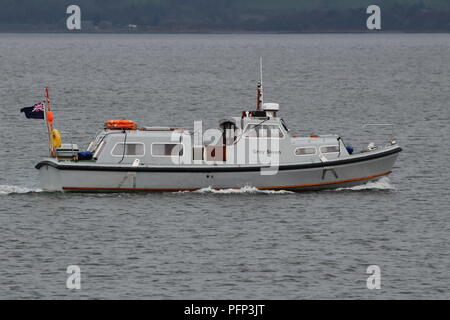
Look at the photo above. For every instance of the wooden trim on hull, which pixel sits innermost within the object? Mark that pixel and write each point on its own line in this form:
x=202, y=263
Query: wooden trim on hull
x=174, y=168
x=299, y=186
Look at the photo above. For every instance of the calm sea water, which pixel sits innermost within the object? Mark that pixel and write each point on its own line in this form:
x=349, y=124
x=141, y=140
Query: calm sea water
x=228, y=245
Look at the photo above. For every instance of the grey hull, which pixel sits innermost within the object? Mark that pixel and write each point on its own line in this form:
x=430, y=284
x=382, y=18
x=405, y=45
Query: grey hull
x=79, y=177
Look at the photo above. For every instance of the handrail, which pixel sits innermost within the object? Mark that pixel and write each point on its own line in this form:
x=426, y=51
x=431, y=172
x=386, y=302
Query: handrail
x=391, y=134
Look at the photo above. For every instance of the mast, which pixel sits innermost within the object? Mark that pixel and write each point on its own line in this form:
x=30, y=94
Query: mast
x=47, y=107
x=261, y=80
x=258, y=96
x=260, y=91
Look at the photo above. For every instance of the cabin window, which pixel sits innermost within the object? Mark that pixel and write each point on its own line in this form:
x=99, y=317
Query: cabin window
x=305, y=151
x=263, y=131
x=167, y=150
x=251, y=131
x=329, y=149
x=131, y=149
x=270, y=131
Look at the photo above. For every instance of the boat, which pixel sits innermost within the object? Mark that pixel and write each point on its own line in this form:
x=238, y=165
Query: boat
x=255, y=149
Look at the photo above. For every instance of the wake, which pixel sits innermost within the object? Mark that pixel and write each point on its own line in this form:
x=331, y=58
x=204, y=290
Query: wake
x=243, y=190
x=9, y=189
x=383, y=184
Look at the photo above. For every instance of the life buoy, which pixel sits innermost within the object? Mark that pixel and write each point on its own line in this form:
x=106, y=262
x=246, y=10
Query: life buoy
x=120, y=125
x=56, y=138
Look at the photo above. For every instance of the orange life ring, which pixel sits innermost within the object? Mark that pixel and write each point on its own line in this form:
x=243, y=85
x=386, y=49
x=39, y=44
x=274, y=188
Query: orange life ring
x=121, y=125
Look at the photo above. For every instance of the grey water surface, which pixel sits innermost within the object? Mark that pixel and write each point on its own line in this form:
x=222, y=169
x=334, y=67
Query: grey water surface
x=230, y=244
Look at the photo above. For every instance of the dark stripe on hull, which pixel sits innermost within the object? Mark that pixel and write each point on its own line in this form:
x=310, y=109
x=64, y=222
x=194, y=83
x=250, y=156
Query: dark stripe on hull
x=212, y=168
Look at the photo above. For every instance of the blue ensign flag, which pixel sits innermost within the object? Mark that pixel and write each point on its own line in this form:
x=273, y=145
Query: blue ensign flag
x=34, y=112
